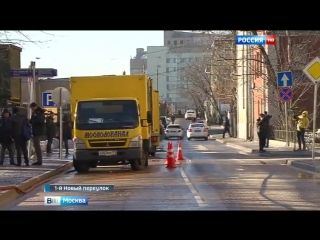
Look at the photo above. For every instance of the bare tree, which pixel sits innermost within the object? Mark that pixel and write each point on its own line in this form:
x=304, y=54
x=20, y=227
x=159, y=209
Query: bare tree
x=212, y=76
x=20, y=38
x=292, y=52
x=11, y=43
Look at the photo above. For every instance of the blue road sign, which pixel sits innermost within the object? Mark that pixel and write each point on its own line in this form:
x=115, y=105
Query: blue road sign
x=47, y=100
x=285, y=79
x=285, y=94
x=40, y=72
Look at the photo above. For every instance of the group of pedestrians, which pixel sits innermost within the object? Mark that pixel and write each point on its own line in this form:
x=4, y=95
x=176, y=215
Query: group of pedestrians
x=263, y=130
x=16, y=130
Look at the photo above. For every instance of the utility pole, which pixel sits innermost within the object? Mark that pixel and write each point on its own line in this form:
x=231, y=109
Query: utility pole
x=157, y=79
x=286, y=104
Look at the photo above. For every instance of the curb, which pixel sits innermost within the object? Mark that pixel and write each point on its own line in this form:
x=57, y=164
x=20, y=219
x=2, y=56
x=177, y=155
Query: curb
x=11, y=195
x=304, y=166
x=249, y=150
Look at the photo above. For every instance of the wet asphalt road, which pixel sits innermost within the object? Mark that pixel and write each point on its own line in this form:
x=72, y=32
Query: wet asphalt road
x=213, y=177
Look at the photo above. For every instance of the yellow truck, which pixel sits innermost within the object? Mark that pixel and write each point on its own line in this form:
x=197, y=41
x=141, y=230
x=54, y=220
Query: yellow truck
x=155, y=132
x=112, y=121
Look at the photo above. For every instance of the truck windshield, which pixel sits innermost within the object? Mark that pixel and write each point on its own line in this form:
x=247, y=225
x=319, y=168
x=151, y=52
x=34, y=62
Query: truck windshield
x=112, y=114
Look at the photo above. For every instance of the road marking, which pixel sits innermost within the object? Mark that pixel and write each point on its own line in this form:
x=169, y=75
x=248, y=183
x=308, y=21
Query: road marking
x=197, y=197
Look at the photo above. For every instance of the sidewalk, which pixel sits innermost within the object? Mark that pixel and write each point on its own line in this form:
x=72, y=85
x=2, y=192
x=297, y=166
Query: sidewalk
x=276, y=148
x=27, y=177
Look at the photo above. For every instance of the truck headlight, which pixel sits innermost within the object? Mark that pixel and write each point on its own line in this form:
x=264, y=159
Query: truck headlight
x=79, y=143
x=136, y=142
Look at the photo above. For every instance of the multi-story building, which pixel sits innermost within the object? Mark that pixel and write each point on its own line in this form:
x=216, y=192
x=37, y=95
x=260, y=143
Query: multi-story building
x=167, y=64
x=138, y=64
x=10, y=88
x=156, y=61
x=257, y=87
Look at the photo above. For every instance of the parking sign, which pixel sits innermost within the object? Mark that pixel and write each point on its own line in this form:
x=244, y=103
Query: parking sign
x=47, y=99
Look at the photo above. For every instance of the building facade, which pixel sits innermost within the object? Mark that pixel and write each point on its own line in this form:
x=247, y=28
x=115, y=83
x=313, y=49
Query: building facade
x=138, y=64
x=167, y=64
x=10, y=88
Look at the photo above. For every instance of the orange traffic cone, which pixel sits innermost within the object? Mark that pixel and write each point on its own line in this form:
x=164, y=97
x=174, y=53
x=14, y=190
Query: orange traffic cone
x=171, y=162
x=179, y=153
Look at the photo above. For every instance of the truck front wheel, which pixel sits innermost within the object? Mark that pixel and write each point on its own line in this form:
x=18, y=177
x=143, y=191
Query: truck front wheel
x=80, y=167
x=140, y=163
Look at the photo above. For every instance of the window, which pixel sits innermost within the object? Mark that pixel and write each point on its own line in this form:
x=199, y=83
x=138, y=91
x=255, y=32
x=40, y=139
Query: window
x=181, y=41
x=175, y=42
x=174, y=126
x=183, y=60
x=168, y=42
x=190, y=60
x=171, y=69
x=171, y=86
x=170, y=60
x=171, y=79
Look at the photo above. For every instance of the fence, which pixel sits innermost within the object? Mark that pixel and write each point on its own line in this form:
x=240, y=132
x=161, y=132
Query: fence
x=280, y=135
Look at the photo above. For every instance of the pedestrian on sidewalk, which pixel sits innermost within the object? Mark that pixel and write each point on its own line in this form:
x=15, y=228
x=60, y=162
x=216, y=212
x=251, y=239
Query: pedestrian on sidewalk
x=172, y=118
x=50, y=131
x=262, y=130
x=268, y=117
x=302, y=124
x=38, y=124
x=19, y=121
x=6, y=136
x=226, y=127
x=66, y=132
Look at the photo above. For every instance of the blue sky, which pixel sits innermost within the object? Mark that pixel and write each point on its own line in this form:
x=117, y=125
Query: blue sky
x=86, y=53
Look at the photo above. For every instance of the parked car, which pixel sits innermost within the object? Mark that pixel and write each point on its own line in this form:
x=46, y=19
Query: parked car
x=197, y=130
x=174, y=131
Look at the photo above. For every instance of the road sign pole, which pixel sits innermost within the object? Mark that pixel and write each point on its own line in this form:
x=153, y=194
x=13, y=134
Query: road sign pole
x=30, y=100
x=315, y=100
x=287, y=121
x=60, y=125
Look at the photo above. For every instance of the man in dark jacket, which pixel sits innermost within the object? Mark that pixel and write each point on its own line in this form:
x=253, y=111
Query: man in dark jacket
x=38, y=124
x=268, y=117
x=50, y=131
x=226, y=127
x=262, y=130
x=6, y=136
x=66, y=133
x=172, y=119
x=18, y=121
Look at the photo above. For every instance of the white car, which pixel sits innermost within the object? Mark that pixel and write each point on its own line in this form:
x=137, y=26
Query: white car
x=197, y=130
x=190, y=114
x=174, y=131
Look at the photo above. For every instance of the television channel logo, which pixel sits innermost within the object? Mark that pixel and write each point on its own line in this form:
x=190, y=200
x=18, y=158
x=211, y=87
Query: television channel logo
x=66, y=201
x=256, y=40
